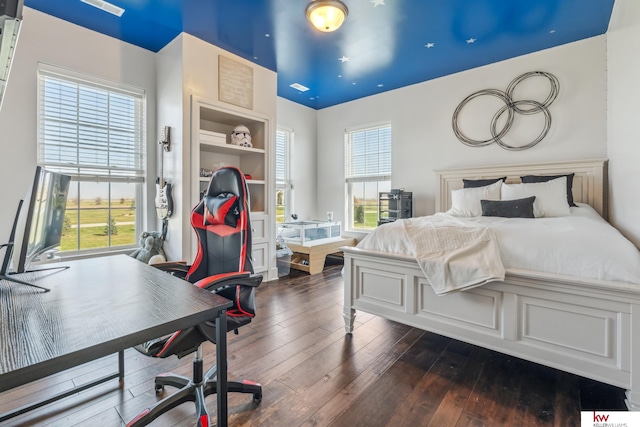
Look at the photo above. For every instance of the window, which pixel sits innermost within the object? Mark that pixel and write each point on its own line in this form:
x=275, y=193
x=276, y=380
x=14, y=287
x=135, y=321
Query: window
x=95, y=132
x=368, y=163
x=284, y=186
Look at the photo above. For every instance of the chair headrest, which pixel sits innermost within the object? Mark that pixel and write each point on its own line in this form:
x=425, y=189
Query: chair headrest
x=221, y=209
x=226, y=180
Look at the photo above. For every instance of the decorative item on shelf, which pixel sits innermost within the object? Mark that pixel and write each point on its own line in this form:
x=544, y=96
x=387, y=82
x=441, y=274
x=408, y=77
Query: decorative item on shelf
x=211, y=137
x=205, y=173
x=524, y=107
x=241, y=136
x=248, y=176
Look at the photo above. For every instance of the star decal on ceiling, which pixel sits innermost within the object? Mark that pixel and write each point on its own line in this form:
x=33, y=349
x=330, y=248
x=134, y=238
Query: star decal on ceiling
x=429, y=45
x=377, y=3
x=471, y=40
x=343, y=59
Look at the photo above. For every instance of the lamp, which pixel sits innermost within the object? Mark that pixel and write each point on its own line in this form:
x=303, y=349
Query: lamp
x=327, y=15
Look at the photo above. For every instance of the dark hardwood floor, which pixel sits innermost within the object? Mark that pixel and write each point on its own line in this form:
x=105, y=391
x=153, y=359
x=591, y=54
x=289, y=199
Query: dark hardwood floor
x=313, y=374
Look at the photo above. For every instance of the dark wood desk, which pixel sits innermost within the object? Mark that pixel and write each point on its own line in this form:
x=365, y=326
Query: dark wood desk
x=95, y=308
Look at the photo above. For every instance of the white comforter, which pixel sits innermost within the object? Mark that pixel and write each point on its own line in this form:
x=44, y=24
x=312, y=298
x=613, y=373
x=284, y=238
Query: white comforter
x=581, y=244
x=452, y=254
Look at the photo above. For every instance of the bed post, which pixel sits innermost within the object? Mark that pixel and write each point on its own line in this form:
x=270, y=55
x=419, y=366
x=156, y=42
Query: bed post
x=633, y=394
x=348, y=312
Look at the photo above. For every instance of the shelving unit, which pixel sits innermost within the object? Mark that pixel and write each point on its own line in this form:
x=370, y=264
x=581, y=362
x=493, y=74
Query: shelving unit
x=212, y=125
x=393, y=205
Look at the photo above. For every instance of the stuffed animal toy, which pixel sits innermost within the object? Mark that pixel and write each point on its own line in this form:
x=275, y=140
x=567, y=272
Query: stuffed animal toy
x=150, y=250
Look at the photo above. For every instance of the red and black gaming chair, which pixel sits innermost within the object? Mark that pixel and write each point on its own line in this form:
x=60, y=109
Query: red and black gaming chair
x=222, y=265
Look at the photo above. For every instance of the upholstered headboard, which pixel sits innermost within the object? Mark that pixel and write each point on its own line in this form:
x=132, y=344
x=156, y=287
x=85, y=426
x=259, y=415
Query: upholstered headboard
x=589, y=184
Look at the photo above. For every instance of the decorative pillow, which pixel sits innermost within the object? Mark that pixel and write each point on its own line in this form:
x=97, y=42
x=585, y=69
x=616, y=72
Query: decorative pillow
x=527, y=179
x=472, y=183
x=466, y=201
x=551, y=196
x=221, y=209
x=518, y=208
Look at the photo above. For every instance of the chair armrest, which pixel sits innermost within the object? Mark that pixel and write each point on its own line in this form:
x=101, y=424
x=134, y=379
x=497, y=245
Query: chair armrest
x=162, y=265
x=223, y=280
x=176, y=268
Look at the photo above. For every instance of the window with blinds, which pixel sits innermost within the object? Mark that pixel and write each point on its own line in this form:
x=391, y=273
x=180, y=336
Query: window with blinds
x=284, y=185
x=95, y=132
x=368, y=172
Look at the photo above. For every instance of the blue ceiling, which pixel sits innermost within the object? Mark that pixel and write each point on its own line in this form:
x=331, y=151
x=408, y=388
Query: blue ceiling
x=383, y=44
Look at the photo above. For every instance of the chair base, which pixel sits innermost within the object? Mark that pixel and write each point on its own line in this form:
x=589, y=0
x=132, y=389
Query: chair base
x=192, y=390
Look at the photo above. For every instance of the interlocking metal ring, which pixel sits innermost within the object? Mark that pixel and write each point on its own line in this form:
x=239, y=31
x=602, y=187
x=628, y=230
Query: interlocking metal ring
x=511, y=107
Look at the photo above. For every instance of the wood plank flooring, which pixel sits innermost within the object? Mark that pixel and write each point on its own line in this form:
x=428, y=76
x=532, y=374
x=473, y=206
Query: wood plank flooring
x=313, y=374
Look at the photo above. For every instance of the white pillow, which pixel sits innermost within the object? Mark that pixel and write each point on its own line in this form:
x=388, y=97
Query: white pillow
x=466, y=201
x=551, y=196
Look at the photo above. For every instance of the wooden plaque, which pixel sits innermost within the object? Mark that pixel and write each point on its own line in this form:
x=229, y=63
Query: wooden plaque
x=235, y=82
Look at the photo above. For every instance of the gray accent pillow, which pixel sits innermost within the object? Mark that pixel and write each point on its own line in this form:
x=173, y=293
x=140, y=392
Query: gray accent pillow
x=527, y=179
x=473, y=183
x=518, y=208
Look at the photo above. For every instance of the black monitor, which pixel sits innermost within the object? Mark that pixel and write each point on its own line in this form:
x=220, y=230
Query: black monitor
x=37, y=227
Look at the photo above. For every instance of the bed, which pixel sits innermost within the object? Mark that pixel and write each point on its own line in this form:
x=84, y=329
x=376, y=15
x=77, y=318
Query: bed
x=585, y=326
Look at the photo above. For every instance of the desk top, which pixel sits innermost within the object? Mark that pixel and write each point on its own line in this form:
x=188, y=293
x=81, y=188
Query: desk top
x=96, y=307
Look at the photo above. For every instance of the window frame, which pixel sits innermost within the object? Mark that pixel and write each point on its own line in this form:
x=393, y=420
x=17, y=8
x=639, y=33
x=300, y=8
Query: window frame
x=352, y=177
x=285, y=184
x=135, y=175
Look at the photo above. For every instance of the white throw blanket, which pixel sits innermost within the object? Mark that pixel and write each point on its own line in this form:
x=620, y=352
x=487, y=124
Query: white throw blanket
x=452, y=254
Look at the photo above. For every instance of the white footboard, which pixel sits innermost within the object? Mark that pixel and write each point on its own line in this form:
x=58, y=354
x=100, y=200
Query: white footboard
x=583, y=327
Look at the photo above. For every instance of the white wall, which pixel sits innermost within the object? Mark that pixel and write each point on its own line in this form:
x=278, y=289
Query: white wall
x=53, y=41
x=623, y=50
x=192, y=70
x=423, y=140
x=302, y=121
x=170, y=104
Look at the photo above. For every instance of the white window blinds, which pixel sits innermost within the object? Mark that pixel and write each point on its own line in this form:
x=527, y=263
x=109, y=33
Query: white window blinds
x=283, y=139
x=90, y=130
x=369, y=154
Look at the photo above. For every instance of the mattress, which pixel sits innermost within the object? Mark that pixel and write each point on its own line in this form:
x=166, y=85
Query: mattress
x=581, y=244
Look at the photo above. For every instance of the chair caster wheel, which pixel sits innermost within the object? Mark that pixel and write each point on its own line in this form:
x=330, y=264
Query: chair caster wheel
x=159, y=388
x=257, y=398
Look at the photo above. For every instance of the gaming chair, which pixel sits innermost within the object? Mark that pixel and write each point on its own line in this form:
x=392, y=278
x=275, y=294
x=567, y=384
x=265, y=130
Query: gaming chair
x=222, y=265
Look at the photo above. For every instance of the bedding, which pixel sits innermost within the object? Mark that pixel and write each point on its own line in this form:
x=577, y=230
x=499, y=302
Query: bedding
x=466, y=201
x=527, y=179
x=471, y=183
x=580, y=244
x=517, y=208
x=551, y=196
x=453, y=254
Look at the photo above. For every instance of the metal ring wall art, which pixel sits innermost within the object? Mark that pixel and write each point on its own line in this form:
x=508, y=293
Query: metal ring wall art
x=511, y=107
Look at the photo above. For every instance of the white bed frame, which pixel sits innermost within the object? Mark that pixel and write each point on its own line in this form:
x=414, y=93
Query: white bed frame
x=586, y=327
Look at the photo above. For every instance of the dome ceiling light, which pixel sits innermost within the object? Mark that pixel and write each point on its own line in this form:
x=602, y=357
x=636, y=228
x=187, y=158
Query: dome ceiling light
x=327, y=15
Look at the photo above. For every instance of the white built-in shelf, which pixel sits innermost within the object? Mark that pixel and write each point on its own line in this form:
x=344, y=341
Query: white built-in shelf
x=228, y=148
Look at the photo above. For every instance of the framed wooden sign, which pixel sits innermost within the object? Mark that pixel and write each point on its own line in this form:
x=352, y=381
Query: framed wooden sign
x=235, y=82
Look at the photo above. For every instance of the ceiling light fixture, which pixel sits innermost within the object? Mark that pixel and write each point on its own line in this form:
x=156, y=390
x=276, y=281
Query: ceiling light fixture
x=106, y=6
x=327, y=15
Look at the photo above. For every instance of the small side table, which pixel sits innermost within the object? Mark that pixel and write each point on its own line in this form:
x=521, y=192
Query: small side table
x=315, y=253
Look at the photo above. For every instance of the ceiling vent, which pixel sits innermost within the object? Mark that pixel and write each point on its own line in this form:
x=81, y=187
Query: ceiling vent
x=299, y=87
